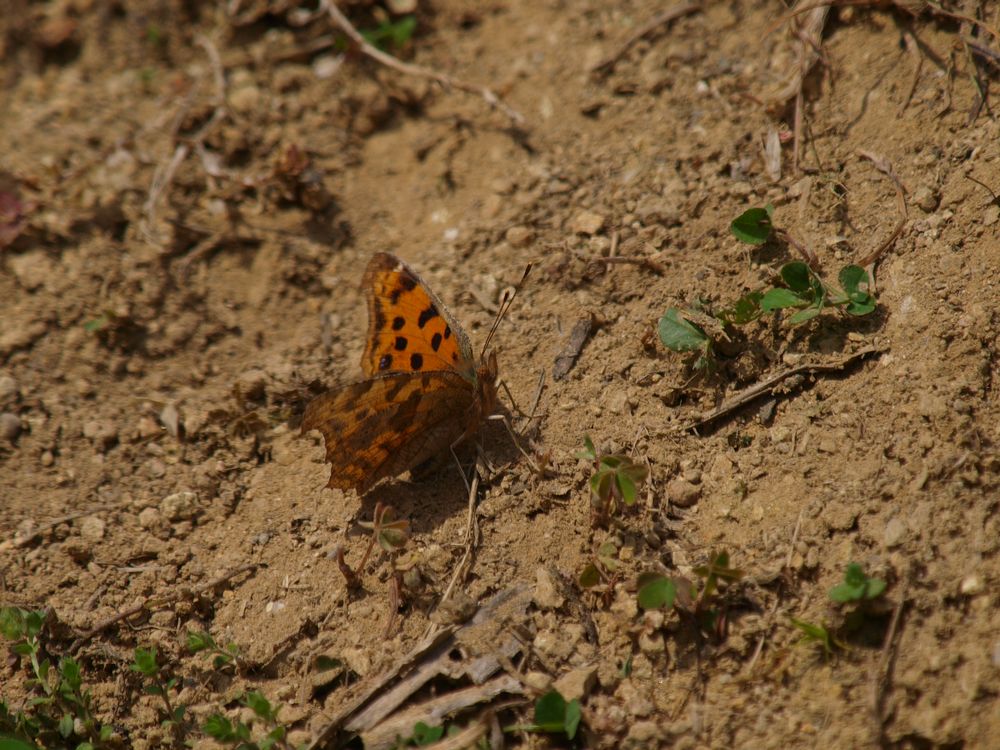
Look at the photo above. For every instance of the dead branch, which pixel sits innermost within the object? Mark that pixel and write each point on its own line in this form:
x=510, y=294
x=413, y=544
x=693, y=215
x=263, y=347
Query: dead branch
x=606, y=65
x=442, y=79
x=885, y=167
x=156, y=602
x=766, y=386
x=881, y=674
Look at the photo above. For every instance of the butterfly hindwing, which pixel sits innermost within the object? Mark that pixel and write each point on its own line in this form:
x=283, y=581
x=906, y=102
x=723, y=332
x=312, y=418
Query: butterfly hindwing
x=409, y=329
x=387, y=424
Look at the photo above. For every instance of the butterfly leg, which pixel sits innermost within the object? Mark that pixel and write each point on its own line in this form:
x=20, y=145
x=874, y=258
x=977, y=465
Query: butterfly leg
x=461, y=469
x=517, y=443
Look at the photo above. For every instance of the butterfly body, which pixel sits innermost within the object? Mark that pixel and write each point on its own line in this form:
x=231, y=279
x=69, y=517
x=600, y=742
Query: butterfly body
x=423, y=392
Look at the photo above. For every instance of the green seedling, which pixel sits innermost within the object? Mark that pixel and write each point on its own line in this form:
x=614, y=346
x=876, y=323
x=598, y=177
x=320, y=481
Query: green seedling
x=817, y=635
x=753, y=226
x=397, y=33
x=802, y=291
x=61, y=713
x=657, y=591
x=865, y=596
x=553, y=715
x=145, y=663
x=221, y=657
x=241, y=736
x=616, y=480
x=601, y=573
x=857, y=587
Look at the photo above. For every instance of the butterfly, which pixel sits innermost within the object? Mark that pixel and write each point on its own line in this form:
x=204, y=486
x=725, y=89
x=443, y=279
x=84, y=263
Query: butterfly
x=424, y=390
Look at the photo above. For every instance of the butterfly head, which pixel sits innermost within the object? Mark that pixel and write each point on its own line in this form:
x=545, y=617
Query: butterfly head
x=487, y=374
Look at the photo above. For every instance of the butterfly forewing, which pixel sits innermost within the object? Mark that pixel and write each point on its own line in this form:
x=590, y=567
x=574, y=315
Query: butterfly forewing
x=388, y=424
x=409, y=329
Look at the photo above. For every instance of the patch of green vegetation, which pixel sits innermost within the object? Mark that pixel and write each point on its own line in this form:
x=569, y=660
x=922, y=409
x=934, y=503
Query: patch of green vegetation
x=397, y=33
x=554, y=715
x=241, y=735
x=702, y=602
x=615, y=482
x=61, y=712
x=857, y=587
x=803, y=291
x=221, y=657
x=146, y=664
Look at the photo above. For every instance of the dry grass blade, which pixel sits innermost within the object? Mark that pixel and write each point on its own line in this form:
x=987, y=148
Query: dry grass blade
x=419, y=71
x=670, y=14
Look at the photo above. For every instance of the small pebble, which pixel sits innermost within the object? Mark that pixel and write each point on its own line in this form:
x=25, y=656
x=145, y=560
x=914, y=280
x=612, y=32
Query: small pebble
x=8, y=388
x=520, y=236
x=895, y=532
x=587, y=222
x=92, y=529
x=546, y=594
x=10, y=426
x=179, y=505
x=577, y=683
x=682, y=493
x=149, y=517
x=101, y=433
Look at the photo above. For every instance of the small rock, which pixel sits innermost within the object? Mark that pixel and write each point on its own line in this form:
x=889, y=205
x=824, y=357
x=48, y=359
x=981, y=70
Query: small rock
x=991, y=215
x=101, y=433
x=245, y=99
x=576, y=683
x=926, y=198
x=326, y=66
x=653, y=209
x=8, y=389
x=972, y=584
x=10, y=426
x=179, y=506
x=538, y=681
x=357, y=660
x=546, y=594
x=47, y=459
x=520, y=236
x=586, y=222
x=32, y=269
x=895, y=532
x=149, y=518
x=92, y=529
x=682, y=493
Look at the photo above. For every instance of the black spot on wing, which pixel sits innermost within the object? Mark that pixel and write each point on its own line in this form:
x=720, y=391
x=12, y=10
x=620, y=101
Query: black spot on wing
x=447, y=332
x=400, y=343
x=408, y=283
x=416, y=361
x=429, y=314
x=398, y=322
x=385, y=362
x=394, y=295
x=436, y=341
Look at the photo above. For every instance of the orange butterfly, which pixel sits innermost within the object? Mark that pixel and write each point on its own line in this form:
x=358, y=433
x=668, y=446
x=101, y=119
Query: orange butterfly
x=424, y=391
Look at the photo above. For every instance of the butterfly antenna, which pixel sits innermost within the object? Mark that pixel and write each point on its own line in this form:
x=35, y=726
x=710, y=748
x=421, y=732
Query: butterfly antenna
x=505, y=303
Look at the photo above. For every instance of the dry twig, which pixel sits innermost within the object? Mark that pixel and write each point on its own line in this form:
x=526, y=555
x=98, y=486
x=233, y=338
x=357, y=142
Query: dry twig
x=670, y=14
x=885, y=167
x=766, y=386
x=419, y=71
x=881, y=673
x=156, y=601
